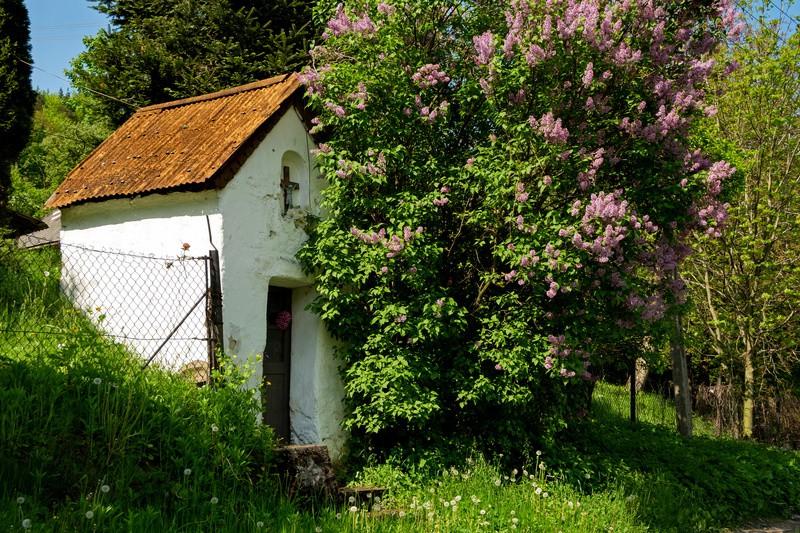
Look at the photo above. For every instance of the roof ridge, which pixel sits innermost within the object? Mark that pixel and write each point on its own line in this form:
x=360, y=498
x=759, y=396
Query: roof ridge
x=274, y=80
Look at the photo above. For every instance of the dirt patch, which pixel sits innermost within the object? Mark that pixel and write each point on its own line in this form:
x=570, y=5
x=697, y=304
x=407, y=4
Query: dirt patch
x=772, y=526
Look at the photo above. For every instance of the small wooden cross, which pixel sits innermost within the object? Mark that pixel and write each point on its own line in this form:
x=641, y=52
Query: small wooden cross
x=287, y=186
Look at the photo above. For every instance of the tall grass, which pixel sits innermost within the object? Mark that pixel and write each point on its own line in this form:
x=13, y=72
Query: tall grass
x=83, y=429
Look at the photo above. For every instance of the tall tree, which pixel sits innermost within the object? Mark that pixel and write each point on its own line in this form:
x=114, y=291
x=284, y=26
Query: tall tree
x=159, y=50
x=16, y=95
x=745, y=284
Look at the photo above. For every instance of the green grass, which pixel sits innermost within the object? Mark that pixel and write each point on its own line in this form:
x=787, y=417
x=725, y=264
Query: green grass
x=89, y=442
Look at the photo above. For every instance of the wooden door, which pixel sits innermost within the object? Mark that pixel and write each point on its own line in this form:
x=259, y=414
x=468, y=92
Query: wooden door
x=277, y=361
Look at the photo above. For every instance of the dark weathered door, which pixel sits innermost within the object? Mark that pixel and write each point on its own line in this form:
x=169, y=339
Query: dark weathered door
x=277, y=360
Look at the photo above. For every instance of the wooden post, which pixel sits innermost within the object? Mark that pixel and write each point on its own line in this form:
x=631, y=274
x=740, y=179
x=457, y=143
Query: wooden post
x=214, y=311
x=680, y=379
x=632, y=381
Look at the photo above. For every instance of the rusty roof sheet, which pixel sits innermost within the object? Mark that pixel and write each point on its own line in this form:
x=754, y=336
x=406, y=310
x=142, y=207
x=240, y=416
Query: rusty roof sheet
x=194, y=143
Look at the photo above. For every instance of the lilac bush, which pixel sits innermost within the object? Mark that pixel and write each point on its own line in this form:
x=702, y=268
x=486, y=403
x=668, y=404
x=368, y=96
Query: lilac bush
x=515, y=181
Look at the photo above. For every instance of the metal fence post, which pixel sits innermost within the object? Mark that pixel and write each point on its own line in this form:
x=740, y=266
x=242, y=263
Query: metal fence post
x=214, y=311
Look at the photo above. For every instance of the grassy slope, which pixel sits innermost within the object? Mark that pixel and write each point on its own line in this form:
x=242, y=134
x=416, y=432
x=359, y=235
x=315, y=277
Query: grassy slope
x=81, y=416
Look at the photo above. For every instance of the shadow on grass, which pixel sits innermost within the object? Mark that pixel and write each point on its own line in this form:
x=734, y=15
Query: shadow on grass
x=696, y=484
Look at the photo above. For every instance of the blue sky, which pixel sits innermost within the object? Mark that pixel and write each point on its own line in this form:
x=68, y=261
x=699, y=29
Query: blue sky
x=57, y=31
x=58, y=28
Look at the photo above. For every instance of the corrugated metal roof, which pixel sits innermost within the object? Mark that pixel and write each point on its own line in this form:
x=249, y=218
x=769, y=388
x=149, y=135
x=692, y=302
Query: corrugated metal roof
x=194, y=143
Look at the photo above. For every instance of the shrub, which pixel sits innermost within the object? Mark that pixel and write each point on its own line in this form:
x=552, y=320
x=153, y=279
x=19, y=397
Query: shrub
x=511, y=188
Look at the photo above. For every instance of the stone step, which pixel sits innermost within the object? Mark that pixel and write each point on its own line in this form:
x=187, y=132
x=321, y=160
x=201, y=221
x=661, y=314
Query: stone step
x=307, y=469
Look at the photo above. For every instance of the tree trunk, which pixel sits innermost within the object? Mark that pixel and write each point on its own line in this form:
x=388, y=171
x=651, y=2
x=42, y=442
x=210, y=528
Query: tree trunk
x=749, y=389
x=680, y=379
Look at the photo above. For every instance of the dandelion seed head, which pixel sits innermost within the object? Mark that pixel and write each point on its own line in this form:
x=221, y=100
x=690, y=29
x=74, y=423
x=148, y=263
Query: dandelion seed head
x=104, y=489
x=214, y=428
x=214, y=500
x=259, y=524
x=353, y=509
x=97, y=381
x=89, y=515
x=21, y=500
x=26, y=524
x=187, y=472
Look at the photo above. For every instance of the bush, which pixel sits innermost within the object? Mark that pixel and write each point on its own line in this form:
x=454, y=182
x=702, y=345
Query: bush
x=511, y=189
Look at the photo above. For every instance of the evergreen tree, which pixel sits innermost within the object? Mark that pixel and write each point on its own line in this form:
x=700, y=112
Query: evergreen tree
x=16, y=95
x=159, y=50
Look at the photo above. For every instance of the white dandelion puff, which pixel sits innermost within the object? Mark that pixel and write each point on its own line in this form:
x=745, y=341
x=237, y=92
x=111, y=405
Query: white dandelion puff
x=187, y=472
x=104, y=489
x=21, y=500
x=26, y=524
x=214, y=500
x=89, y=514
x=97, y=381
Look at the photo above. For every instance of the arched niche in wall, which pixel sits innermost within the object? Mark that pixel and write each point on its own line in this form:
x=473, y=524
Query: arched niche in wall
x=294, y=181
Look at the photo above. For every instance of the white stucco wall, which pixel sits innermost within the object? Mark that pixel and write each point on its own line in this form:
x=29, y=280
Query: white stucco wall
x=260, y=243
x=257, y=245
x=140, y=298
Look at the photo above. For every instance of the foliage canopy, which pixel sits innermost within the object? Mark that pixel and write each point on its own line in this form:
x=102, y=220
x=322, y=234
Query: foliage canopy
x=161, y=50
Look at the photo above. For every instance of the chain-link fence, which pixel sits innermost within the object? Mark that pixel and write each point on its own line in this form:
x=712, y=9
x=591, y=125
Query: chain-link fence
x=636, y=394
x=166, y=310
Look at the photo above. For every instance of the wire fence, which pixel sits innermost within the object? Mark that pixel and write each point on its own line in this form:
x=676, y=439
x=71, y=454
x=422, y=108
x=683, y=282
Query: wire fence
x=636, y=394
x=165, y=310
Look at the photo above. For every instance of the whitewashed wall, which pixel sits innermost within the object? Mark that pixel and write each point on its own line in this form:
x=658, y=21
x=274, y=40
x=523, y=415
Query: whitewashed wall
x=260, y=243
x=140, y=298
